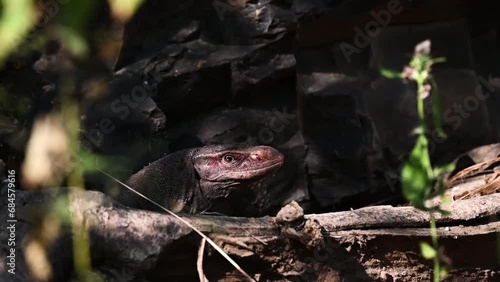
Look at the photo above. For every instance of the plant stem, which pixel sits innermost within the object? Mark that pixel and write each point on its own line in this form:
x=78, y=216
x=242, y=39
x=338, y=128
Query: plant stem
x=422, y=127
x=421, y=114
x=81, y=249
x=420, y=101
x=434, y=237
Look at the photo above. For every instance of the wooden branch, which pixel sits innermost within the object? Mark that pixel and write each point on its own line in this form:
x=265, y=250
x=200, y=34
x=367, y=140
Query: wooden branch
x=368, y=217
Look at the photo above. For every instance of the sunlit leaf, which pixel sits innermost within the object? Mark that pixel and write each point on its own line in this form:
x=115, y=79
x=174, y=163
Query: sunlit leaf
x=415, y=179
x=123, y=10
x=428, y=252
x=15, y=22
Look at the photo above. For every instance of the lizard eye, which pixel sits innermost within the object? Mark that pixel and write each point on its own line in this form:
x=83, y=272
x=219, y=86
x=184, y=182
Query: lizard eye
x=228, y=158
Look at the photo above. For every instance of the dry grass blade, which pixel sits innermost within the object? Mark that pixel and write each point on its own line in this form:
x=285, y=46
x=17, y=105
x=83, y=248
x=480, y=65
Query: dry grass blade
x=199, y=262
x=473, y=170
x=491, y=178
x=215, y=246
x=492, y=186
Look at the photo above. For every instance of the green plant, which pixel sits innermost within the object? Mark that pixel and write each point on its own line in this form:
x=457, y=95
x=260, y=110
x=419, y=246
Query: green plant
x=418, y=175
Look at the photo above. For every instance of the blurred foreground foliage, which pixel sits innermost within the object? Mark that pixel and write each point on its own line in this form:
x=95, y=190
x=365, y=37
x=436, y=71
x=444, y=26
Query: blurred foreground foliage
x=26, y=27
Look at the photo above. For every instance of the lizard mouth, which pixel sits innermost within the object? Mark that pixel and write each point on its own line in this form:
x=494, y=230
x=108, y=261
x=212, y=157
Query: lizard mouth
x=260, y=172
x=272, y=166
x=251, y=174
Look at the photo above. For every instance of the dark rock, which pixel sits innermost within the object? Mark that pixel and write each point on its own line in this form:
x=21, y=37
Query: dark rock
x=267, y=71
x=183, y=73
x=465, y=116
x=243, y=125
x=115, y=108
x=336, y=162
x=165, y=22
x=393, y=47
x=491, y=89
x=215, y=22
x=484, y=52
x=257, y=23
x=236, y=50
x=306, y=11
x=332, y=63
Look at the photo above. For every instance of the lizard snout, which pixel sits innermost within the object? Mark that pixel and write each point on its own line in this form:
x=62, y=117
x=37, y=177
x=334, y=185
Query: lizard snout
x=267, y=154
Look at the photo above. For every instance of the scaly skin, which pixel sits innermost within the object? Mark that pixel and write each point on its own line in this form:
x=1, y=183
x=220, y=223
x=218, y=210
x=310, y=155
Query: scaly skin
x=190, y=180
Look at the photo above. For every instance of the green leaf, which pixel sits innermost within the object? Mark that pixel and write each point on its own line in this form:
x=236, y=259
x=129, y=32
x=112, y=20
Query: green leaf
x=416, y=180
x=444, y=169
x=438, y=60
x=389, y=73
x=437, y=109
x=76, y=15
x=428, y=252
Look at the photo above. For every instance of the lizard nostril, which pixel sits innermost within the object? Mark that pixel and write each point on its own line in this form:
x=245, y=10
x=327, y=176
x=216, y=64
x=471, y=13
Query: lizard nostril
x=254, y=157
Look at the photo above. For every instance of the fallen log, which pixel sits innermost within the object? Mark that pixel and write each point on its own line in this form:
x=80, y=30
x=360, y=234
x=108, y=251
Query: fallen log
x=373, y=243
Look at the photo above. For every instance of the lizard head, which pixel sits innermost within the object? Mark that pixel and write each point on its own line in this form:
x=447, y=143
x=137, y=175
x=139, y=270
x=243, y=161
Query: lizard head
x=234, y=165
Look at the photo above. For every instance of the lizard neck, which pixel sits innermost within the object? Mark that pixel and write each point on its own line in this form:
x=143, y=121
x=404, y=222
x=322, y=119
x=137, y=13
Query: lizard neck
x=207, y=192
